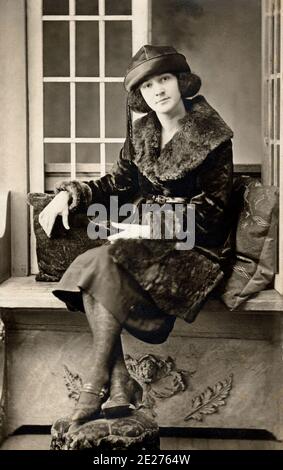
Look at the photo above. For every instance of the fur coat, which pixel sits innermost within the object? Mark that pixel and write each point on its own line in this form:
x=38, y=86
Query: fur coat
x=196, y=164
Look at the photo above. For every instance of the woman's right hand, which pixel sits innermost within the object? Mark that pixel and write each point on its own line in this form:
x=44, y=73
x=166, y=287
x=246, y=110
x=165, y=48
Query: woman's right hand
x=58, y=206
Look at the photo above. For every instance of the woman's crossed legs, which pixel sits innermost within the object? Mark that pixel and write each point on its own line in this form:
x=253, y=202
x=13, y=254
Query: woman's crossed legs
x=108, y=375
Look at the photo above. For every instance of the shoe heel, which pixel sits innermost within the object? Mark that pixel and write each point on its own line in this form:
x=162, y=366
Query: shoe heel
x=113, y=409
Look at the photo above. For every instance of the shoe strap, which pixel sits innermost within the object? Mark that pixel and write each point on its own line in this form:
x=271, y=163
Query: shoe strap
x=89, y=388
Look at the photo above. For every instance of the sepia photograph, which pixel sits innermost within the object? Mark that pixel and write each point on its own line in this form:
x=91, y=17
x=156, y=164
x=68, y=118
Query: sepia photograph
x=141, y=228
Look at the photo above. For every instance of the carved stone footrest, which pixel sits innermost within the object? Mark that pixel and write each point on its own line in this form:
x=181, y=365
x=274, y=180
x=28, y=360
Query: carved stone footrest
x=134, y=432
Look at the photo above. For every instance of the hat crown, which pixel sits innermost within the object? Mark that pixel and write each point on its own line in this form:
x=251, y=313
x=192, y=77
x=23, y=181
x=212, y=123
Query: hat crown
x=150, y=52
x=154, y=60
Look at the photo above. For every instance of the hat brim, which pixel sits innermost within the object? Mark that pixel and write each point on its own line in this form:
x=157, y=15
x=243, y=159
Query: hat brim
x=156, y=66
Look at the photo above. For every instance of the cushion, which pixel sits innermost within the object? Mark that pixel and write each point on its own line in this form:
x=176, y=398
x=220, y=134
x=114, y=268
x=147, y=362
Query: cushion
x=255, y=260
x=134, y=432
x=55, y=254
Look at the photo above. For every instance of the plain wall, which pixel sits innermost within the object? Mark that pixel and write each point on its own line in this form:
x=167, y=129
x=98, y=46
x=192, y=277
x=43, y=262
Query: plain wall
x=222, y=41
x=13, y=125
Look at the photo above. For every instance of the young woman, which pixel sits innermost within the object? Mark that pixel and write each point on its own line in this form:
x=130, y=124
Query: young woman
x=180, y=149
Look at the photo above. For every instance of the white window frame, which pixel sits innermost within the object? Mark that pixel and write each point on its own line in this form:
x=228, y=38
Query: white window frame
x=141, y=34
x=272, y=110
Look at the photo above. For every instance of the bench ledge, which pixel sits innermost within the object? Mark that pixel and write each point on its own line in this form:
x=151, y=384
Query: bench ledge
x=26, y=293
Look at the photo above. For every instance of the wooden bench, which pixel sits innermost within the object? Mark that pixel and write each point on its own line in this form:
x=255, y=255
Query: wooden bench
x=235, y=354
x=26, y=293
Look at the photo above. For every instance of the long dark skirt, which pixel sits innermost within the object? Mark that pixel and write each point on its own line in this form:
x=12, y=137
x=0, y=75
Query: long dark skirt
x=96, y=273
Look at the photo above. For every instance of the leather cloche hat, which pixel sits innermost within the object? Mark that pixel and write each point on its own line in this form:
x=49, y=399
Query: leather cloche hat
x=151, y=60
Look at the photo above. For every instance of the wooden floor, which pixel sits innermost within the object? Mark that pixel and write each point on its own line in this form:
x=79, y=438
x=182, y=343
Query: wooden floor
x=173, y=443
x=27, y=442
x=42, y=442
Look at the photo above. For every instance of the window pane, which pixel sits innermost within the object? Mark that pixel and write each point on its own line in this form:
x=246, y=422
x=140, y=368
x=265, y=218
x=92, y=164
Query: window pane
x=87, y=49
x=272, y=108
x=266, y=45
x=87, y=7
x=278, y=108
x=123, y=7
x=56, y=109
x=115, y=104
x=88, y=153
x=118, y=47
x=272, y=164
x=279, y=42
x=56, y=62
x=278, y=165
x=57, y=153
x=55, y=7
x=87, y=110
x=272, y=44
x=112, y=154
x=52, y=179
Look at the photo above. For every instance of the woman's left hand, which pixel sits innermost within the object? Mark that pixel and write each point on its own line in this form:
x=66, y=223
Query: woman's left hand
x=130, y=231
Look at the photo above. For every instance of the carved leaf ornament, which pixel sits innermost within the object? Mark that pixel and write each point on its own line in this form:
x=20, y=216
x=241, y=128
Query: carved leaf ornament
x=210, y=400
x=73, y=383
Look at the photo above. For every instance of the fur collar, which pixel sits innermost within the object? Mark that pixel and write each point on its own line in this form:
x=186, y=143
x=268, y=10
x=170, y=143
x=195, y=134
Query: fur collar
x=202, y=130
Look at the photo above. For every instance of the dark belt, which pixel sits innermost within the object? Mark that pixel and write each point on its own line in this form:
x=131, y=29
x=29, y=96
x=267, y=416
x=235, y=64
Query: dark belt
x=160, y=199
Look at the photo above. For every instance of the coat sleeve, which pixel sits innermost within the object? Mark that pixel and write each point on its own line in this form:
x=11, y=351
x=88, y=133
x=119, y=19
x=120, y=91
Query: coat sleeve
x=122, y=181
x=214, y=185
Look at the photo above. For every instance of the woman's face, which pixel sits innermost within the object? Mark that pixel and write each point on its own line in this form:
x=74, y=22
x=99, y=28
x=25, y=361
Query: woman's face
x=161, y=93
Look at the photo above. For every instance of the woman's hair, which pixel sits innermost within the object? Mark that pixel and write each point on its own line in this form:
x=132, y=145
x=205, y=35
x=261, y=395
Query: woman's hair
x=189, y=85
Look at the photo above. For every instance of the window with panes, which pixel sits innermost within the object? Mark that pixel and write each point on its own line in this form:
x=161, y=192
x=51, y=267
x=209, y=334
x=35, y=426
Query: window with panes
x=272, y=115
x=77, y=103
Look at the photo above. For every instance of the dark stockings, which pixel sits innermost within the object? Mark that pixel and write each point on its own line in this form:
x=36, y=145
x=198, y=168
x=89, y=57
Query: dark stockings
x=107, y=369
x=106, y=332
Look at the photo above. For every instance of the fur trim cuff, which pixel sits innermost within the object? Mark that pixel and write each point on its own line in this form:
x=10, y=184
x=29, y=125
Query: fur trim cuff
x=80, y=193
